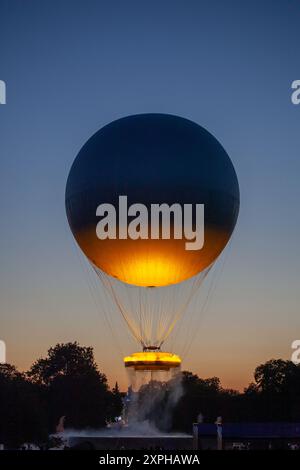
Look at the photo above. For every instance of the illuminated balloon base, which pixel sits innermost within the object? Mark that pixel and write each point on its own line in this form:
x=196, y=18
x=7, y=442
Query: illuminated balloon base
x=151, y=365
x=152, y=360
x=154, y=385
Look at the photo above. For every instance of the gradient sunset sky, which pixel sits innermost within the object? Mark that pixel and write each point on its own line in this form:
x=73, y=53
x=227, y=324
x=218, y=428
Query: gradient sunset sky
x=73, y=66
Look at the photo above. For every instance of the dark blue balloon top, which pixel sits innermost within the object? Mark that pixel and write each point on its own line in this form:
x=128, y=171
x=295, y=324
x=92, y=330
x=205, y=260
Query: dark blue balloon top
x=153, y=158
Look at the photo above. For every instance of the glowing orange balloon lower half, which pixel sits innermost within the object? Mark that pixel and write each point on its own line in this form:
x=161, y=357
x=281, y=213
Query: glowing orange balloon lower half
x=154, y=263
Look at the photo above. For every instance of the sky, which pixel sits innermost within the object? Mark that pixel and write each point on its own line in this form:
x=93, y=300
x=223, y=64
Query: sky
x=71, y=67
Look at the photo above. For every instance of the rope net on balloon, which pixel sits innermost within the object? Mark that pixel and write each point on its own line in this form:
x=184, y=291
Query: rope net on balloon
x=151, y=313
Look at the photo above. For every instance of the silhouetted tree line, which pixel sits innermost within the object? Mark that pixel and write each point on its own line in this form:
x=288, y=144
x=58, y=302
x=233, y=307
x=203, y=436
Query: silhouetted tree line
x=274, y=397
x=68, y=383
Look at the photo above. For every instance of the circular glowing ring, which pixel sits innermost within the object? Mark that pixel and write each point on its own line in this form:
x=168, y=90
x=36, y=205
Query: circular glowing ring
x=150, y=360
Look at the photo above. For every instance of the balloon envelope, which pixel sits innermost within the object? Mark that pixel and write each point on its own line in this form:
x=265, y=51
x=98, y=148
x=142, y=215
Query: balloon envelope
x=152, y=159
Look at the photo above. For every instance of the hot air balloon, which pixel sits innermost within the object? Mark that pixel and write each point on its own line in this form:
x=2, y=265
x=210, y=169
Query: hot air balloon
x=133, y=168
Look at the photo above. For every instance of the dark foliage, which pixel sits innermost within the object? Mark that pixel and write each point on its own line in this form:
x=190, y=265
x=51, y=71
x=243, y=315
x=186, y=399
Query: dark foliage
x=65, y=383
x=22, y=414
x=74, y=387
x=275, y=396
x=68, y=383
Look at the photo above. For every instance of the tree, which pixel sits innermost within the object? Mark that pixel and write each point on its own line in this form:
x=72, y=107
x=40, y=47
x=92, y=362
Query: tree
x=278, y=390
x=69, y=359
x=199, y=396
x=22, y=412
x=75, y=387
x=116, y=402
x=274, y=376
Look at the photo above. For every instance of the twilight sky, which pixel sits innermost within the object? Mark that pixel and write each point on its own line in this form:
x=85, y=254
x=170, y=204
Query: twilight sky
x=73, y=66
